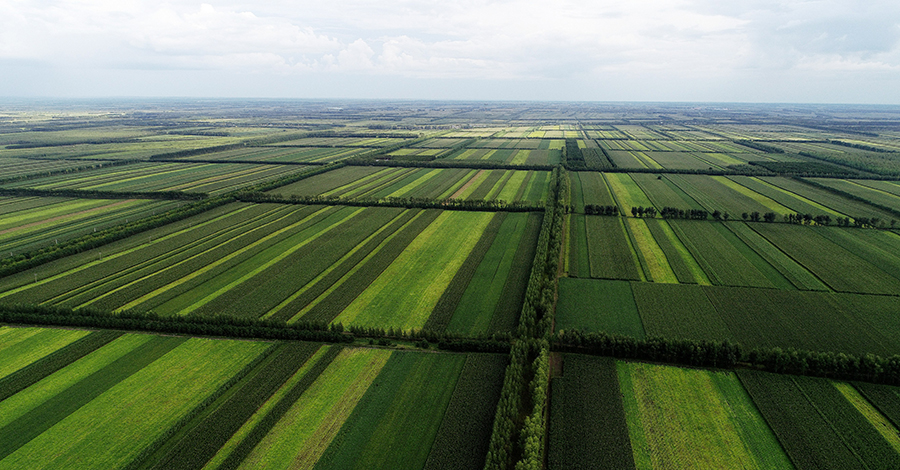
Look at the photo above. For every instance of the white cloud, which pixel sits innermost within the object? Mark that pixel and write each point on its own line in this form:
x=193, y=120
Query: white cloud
x=700, y=43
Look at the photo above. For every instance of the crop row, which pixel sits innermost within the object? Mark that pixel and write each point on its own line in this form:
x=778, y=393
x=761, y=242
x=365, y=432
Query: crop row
x=193, y=403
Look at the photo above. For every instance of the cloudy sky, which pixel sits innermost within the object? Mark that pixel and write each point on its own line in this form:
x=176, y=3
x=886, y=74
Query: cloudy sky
x=831, y=51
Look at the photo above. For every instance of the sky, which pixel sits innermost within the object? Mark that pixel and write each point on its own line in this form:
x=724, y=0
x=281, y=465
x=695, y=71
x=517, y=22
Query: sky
x=831, y=51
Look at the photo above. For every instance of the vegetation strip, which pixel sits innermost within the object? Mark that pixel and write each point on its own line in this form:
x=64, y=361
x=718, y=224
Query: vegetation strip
x=59, y=359
x=55, y=409
x=462, y=439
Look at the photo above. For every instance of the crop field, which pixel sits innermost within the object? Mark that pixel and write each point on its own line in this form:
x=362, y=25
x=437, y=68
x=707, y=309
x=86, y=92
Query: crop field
x=598, y=305
x=374, y=142
x=885, y=193
x=680, y=418
x=817, y=424
x=148, y=401
x=119, y=400
x=463, y=183
x=191, y=177
x=509, y=156
x=587, y=418
x=403, y=261
x=28, y=223
x=290, y=262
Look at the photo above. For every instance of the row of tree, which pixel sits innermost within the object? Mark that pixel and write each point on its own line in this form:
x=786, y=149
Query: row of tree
x=728, y=355
x=496, y=205
x=97, y=194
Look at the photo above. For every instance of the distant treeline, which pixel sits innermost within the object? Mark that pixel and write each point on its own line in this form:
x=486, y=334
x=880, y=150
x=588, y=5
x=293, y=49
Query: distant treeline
x=96, y=194
x=759, y=146
x=868, y=148
x=32, y=145
x=450, y=164
x=407, y=202
x=727, y=355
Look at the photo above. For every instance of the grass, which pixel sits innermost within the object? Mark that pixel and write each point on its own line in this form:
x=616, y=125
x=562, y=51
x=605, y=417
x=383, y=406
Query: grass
x=408, y=290
x=680, y=418
x=598, y=305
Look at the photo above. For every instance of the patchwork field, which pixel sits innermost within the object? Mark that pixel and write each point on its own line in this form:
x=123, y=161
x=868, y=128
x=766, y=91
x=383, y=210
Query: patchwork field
x=375, y=182
x=145, y=401
x=28, y=223
x=191, y=177
x=618, y=414
x=331, y=264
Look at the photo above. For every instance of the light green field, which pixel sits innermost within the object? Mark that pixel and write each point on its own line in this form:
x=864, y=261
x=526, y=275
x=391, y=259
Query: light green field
x=114, y=428
x=26, y=400
x=307, y=429
x=626, y=192
x=688, y=418
x=404, y=295
x=653, y=260
x=22, y=346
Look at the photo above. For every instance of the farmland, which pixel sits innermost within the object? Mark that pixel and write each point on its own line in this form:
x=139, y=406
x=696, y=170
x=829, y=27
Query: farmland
x=256, y=261
x=411, y=285
x=196, y=402
x=369, y=182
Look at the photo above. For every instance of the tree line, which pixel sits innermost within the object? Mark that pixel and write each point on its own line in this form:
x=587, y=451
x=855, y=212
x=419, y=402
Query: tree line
x=407, y=202
x=727, y=355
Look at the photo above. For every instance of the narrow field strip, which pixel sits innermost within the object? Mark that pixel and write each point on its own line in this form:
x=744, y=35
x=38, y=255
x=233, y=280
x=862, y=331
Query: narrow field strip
x=242, y=442
x=307, y=429
x=653, y=259
x=423, y=270
x=20, y=347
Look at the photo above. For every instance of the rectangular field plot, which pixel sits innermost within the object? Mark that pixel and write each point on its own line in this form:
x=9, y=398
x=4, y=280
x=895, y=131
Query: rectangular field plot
x=756, y=318
x=686, y=418
x=885, y=193
x=381, y=267
x=192, y=177
x=374, y=142
x=29, y=223
x=16, y=168
x=375, y=182
x=509, y=156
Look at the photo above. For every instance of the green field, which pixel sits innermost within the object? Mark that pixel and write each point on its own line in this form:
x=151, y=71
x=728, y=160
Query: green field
x=372, y=182
x=685, y=418
x=30, y=223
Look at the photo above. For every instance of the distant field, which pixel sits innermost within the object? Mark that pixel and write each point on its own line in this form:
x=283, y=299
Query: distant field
x=376, y=182
x=28, y=223
x=281, y=155
x=193, y=177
